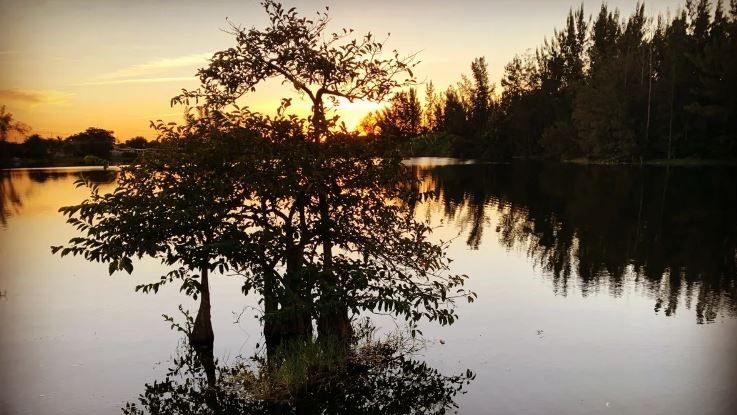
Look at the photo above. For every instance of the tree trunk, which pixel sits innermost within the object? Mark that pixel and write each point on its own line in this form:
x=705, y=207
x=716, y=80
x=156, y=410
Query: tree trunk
x=272, y=329
x=670, y=120
x=293, y=319
x=333, y=318
x=202, y=334
x=334, y=321
x=649, y=104
x=287, y=315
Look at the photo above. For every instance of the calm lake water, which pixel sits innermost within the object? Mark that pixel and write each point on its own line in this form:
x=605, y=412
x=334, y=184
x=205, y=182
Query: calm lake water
x=602, y=290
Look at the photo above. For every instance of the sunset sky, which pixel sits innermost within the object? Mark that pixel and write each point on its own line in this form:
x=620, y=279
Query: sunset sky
x=68, y=65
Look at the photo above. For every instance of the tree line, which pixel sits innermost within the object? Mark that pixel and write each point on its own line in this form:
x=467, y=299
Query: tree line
x=603, y=87
x=93, y=145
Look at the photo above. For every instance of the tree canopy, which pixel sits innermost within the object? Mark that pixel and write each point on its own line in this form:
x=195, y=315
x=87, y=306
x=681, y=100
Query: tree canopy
x=606, y=87
x=317, y=222
x=8, y=124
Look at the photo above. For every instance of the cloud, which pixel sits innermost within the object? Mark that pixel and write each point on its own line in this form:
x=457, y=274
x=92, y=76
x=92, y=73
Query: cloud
x=140, y=80
x=156, y=67
x=35, y=97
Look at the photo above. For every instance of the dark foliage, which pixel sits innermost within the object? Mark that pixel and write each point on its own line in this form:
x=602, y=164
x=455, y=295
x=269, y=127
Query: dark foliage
x=607, y=88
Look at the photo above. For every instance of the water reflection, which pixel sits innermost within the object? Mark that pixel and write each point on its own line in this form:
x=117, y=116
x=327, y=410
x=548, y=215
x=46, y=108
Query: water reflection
x=669, y=231
x=10, y=201
x=197, y=384
x=77, y=326
x=20, y=184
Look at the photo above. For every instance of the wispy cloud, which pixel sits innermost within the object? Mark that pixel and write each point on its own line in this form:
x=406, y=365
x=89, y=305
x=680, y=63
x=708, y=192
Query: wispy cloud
x=35, y=97
x=156, y=67
x=140, y=80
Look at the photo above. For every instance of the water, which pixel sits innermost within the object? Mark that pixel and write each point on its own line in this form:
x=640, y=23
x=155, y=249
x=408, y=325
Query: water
x=601, y=290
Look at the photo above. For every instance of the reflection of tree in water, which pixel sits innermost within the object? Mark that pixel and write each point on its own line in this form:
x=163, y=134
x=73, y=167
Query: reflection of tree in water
x=101, y=176
x=98, y=176
x=395, y=385
x=42, y=176
x=671, y=231
x=11, y=198
x=10, y=201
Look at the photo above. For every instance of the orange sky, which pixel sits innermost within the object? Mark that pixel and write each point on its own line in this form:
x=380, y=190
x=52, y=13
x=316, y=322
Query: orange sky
x=72, y=64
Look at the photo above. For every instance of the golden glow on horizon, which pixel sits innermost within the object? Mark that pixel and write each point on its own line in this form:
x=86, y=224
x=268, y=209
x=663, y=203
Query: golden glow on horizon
x=69, y=65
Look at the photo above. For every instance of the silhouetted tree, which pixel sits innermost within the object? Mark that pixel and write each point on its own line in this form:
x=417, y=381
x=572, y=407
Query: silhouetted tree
x=316, y=221
x=402, y=118
x=8, y=124
x=93, y=141
x=432, y=112
x=137, y=142
x=36, y=147
x=337, y=184
x=178, y=206
x=454, y=118
x=625, y=89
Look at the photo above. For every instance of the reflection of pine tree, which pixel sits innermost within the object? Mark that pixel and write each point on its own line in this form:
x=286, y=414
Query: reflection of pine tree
x=670, y=231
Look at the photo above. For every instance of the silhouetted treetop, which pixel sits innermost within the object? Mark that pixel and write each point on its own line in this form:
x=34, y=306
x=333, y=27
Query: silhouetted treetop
x=8, y=124
x=303, y=54
x=615, y=87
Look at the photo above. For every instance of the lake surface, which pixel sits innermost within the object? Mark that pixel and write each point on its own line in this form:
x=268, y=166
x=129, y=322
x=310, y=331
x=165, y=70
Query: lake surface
x=602, y=290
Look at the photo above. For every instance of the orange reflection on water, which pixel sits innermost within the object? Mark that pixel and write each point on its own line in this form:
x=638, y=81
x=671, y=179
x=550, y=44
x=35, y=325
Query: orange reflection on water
x=24, y=190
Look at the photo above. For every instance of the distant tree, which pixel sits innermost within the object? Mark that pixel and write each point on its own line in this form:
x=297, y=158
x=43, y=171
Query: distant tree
x=432, y=112
x=699, y=14
x=470, y=115
x=602, y=121
x=454, y=118
x=604, y=36
x=521, y=121
x=713, y=105
x=137, y=142
x=369, y=124
x=513, y=81
x=38, y=148
x=8, y=151
x=662, y=88
x=402, y=118
x=93, y=141
x=572, y=45
x=481, y=99
x=672, y=91
x=8, y=124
